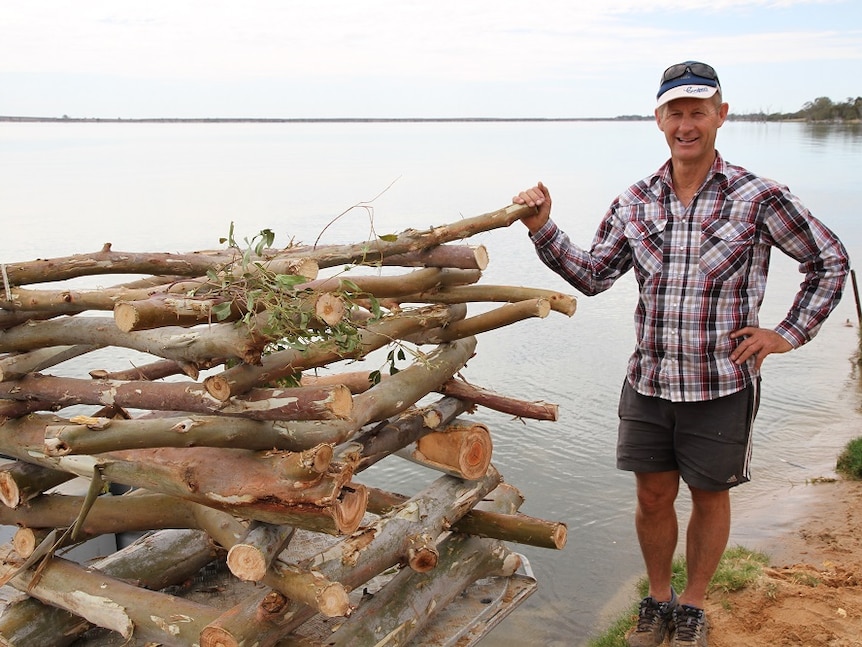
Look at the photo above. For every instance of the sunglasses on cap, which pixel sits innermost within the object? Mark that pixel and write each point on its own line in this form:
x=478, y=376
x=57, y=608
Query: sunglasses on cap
x=698, y=69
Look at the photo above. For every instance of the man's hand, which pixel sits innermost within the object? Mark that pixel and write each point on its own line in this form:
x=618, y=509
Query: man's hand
x=539, y=197
x=759, y=342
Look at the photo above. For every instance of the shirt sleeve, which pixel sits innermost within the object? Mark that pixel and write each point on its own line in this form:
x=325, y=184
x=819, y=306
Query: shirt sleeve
x=823, y=261
x=590, y=272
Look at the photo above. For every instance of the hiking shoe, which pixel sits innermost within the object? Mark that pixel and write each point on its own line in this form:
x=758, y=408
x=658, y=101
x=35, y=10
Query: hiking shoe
x=690, y=627
x=654, y=622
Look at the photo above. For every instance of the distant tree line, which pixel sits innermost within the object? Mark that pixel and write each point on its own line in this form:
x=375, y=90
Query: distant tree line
x=821, y=109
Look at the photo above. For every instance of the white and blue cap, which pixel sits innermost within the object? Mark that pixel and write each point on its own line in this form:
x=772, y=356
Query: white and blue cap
x=691, y=79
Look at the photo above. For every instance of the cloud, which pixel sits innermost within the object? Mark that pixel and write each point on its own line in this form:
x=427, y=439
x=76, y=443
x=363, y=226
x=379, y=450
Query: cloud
x=480, y=40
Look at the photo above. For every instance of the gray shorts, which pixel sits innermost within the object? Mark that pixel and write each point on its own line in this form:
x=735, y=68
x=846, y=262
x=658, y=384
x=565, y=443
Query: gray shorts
x=708, y=442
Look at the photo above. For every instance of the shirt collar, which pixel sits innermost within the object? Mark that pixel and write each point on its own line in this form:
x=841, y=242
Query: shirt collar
x=663, y=174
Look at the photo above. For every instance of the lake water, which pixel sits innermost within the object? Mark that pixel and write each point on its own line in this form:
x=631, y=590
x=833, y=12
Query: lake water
x=69, y=188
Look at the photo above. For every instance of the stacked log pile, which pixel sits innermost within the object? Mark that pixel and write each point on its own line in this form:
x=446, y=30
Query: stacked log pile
x=242, y=435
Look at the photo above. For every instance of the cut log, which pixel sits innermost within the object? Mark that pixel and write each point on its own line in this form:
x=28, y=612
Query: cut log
x=383, y=287
x=299, y=403
x=504, y=404
x=356, y=559
x=462, y=449
x=171, y=342
x=17, y=366
x=518, y=528
x=20, y=481
x=388, y=437
x=156, y=561
x=356, y=381
x=111, y=603
x=303, y=585
x=136, y=512
x=250, y=558
x=399, y=611
x=559, y=302
x=258, y=486
x=487, y=321
x=466, y=257
x=169, y=310
x=411, y=240
x=157, y=370
x=110, y=262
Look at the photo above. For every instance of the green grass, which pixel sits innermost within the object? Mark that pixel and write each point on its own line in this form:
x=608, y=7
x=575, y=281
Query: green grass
x=849, y=462
x=739, y=567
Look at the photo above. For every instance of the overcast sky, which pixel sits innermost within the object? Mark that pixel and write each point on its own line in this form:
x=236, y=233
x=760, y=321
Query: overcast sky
x=405, y=58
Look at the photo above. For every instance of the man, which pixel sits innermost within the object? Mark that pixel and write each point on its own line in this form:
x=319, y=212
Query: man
x=698, y=234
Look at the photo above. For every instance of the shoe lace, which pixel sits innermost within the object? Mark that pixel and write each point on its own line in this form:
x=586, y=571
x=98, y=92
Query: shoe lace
x=689, y=624
x=649, y=615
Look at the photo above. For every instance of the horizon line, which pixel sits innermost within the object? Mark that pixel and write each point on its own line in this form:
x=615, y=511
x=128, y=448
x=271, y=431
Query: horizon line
x=65, y=118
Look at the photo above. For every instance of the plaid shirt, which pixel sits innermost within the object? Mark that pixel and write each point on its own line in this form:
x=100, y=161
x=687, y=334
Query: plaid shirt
x=702, y=272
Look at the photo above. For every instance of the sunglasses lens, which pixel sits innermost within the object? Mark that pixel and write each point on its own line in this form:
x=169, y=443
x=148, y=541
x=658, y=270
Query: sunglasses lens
x=704, y=70
x=674, y=72
x=699, y=69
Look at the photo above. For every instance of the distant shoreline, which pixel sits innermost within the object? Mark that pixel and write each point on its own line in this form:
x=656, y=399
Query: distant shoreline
x=311, y=120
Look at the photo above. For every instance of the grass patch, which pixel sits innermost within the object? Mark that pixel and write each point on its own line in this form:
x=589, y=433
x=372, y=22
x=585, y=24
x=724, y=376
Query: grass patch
x=738, y=568
x=849, y=462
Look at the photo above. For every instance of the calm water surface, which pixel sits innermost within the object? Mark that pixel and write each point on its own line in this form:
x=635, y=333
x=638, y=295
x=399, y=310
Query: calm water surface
x=70, y=188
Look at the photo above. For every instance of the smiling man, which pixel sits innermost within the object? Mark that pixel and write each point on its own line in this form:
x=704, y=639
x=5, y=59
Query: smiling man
x=698, y=234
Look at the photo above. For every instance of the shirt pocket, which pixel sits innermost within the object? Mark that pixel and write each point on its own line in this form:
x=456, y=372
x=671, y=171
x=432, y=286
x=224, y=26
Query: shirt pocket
x=646, y=240
x=726, y=248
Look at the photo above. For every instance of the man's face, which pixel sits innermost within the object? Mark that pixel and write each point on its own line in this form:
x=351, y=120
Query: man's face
x=690, y=127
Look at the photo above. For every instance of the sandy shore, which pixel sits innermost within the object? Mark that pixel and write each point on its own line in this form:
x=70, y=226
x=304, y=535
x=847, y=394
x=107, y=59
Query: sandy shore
x=811, y=595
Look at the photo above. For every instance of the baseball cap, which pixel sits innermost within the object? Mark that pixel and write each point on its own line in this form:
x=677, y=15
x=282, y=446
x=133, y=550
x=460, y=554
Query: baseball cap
x=691, y=79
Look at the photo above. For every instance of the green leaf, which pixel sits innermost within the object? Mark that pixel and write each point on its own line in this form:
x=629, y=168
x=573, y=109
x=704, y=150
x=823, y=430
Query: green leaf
x=389, y=238
x=221, y=311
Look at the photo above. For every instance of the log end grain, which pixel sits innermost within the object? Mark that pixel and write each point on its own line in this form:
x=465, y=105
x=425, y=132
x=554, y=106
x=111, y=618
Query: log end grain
x=333, y=601
x=350, y=507
x=125, y=316
x=10, y=495
x=218, y=387
x=247, y=562
x=467, y=450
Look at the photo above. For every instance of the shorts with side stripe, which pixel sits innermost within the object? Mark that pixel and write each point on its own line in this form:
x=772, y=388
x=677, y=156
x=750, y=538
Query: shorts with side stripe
x=709, y=442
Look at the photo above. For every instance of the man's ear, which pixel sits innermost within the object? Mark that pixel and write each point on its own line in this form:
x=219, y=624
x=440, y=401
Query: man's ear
x=722, y=113
x=658, y=119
